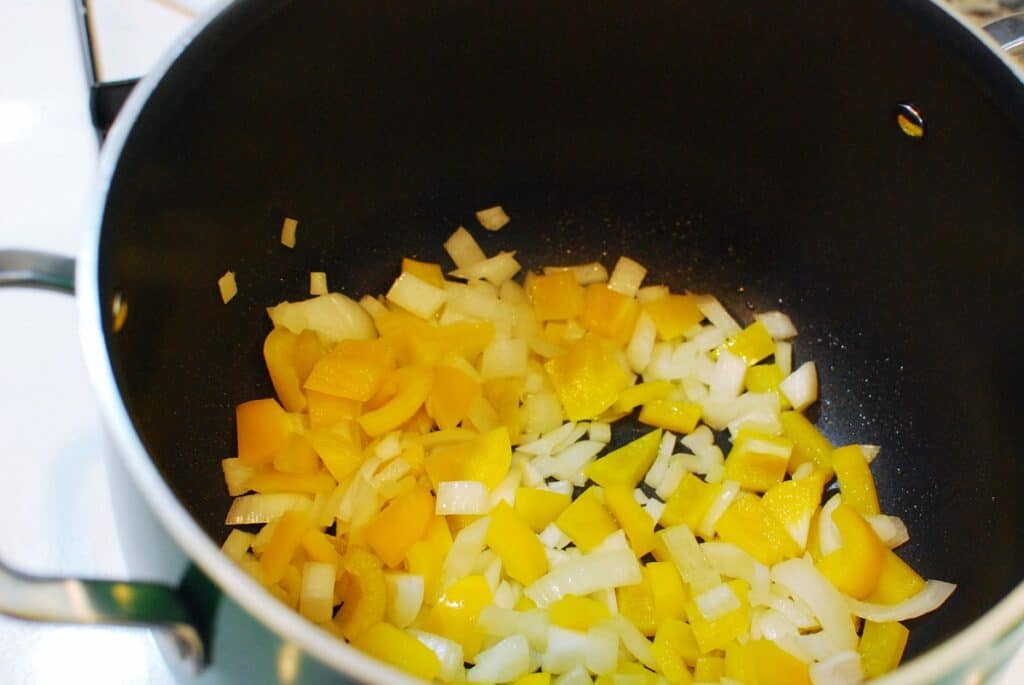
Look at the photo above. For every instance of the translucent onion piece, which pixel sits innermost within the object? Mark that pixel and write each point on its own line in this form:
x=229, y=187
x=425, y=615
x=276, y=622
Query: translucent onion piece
x=501, y=663
x=779, y=326
x=801, y=386
x=497, y=269
x=492, y=218
x=635, y=642
x=463, y=249
x=641, y=344
x=716, y=314
x=890, y=530
x=532, y=624
x=717, y=602
x=228, y=286
x=627, y=276
x=448, y=652
x=462, y=497
x=334, y=316
x=316, y=594
x=805, y=582
x=592, y=272
x=843, y=668
x=405, y=597
x=707, y=525
x=929, y=599
x=585, y=575
x=263, y=508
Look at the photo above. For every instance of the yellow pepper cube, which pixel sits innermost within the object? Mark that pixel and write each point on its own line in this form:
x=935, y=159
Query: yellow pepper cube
x=354, y=369
x=738, y=666
x=673, y=315
x=690, y=502
x=896, y=582
x=628, y=464
x=609, y=313
x=504, y=395
x=709, y=669
x=855, y=568
x=636, y=603
x=270, y=481
x=587, y=378
x=456, y=612
x=679, y=635
x=809, y=444
x=451, y=395
x=465, y=338
x=425, y=271
x=485, y=458
x=327, y=410
x=555, y=296
x=402, y=523
x=855, y=480
x=794, y=502
x=586, y=521
x=365, y=596
x=632, y=518
x=298, y=457
x=577, y=613
x=758, y=461
x=534, y=679
x=283, y=545
x=318, y=547
x=279, y=355
x=773, y=665
x=387, y=643
x=642, y=393
x=413, y=385
x=881, y=647
x=677, y=416
x=716, y=634
x=340, y=455
x=521, y=551
x=749, y=525
x=670, y=641
x=764, y=378
x=667, y=590
x=752, y=344
x=263, y=430
x=538, y=508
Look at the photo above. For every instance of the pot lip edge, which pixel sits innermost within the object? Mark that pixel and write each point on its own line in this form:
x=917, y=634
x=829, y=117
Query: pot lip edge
x=939, y=661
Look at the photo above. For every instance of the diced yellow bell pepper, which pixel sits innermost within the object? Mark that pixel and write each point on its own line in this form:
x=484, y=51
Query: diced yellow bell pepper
x=773, y=665
x=738, y=664
x=298, y=456
x=642, y=393
x=636, y=603
x=673, y=642
x=674, y=314
x=520, y=550
x=456, y=612
x=354, y=369
x=465, y=338
x=279, y=355
x=365, y=597
x=809, y=444
x=534, y=679
x=793, y=502
x=764, y=378
x=757, y=461
x=387, y=643
x=326, y=410
x=263, y=429
x=401, y=524
x=413, y=387
x=752, y=344
x=425, y=271
x=855, y=480
x=555, y=296
x=749, y=525
x=709, y=669
x=318, y=547
x=486, y=458
x=587, y=378
x=856, y=566
x=283, y=544
x=410, y=339
x=504, y=394
x=426, y=557
x=632, y=518
x=339, y=454
x=628, y=464
x=609, y=313
x=270, y=481
x=677, y=416
x=451, y=395
x=586, y=520
x=716, y=634
x=881, y=647
x=538, y=508
x=896, y=582
x=292, y=585
x=577, y=613
x=690, y=502
x=667, y=590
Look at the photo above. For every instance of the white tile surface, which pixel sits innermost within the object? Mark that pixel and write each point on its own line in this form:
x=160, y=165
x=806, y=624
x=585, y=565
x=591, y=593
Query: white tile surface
x=55, y=514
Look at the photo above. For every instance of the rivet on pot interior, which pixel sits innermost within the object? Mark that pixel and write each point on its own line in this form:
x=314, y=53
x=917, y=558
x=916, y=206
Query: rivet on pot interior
x=910, y=120
x=119, y=310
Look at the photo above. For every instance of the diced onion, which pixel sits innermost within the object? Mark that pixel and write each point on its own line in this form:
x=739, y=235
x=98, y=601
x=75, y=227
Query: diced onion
x=634, y=641
x=237, y=544
x=805, y=469
x=670, y=481
x=801, y=386
x=501, y=663
x=784, y=357
x=718, y=506
x=708, y=338
x=532, y=624
x=228, y=286
x=641, y=344
x=577, y=676
x=416, y=295
x=497, y=269
x=935, y=592
x=334, y=316
x=492, y=218
x=614, y=541
x=504, y=358
x=649, y=293
x=717, y=602
x=541, y=412
x=890, y=530
x=716, y=314
x=699, y=439
x=372, y=306
x=263, y=508
x=546, y=443
x=235, y=475
x=684, y=551
x=569, y=463
x=461, y=497
x=601, y=652
x=779, y=326
x=465, y=549
x=553, y=537
x=656, y=474
x=566, y=650
x=802, y=580
x=448, y=652
x=592, y=272
x=727, y=378
x=870, y=452
x=627, y=276
x=655, y=508
x=829, y=539
x=588, y=573
x=843, y=668
x=600, y=431
x=316, y=594
x=463, y=249
x=731, y=561
x=405, y=597
x=288, y=229
x=318, y=283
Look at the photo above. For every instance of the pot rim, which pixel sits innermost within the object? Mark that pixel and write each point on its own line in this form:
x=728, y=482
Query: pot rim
x=979, y=637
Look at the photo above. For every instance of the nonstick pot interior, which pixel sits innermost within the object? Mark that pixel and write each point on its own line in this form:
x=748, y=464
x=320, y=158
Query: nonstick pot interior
x=740, y=150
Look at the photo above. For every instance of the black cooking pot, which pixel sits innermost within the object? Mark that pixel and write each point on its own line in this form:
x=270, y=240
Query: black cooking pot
x=752, y=151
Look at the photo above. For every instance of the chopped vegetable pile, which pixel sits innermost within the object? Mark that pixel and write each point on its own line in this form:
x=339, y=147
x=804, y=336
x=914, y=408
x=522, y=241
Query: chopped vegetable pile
x=434, y=483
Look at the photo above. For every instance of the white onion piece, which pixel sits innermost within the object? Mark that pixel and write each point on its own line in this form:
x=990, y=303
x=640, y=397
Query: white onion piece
x=492, y=218
x=263, y=508
x=802, y=580
x=496, y=270
x=711, y=308
x=600, y=431
x=499, y=622
x=504, y=358
x=656, y=369
x=546, y=443
x=702, y=438
x=566, y=649
x=575, y=434
x=614, y=541
x=479, y=304
x=641, y=344
x=733, y=562
x=448, y=652
x=561, y=487
x=701, y=463
x=416, y=295
x=718, y=506
x=228, y=286
x=673, y=475
x=372, y=306
x=656, y=474
x=463, y=249
x=334, y=316
x=707, y=338
x=784, y=357
x=235, y=475
x=829, y=539
x=405, y=597
x=553, y=538
x=779, y=326
x=601, y=653
x=684, y=551
x=805, y=469
x=591, y=272
x=634, y=641
x=627, y=276
x=935, y=592
x=843, y=668
x=650, y=293
x=717, y=602
x=501, y=663
x=890, y=530
x=654, y=508
x=513, y=293
x=587, y=574
x=720, y=414
x=577, y=676
x=462, y=497
x=801, y=386
x=237, y=544
x=541, y=412
x=504, y=596
x=870, y=452
x=793, y=612
x=465, y=549
x=317, y=283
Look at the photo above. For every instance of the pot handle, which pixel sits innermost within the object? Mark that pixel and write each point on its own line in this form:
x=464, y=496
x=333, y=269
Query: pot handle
x=90, y=602
x=1008, y=31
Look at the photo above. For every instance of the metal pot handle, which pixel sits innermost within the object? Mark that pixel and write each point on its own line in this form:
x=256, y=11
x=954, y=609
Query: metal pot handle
x=72, y=600
x=1008, y=31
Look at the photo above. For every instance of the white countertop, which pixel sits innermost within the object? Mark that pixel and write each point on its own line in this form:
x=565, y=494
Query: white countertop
x=55, y=512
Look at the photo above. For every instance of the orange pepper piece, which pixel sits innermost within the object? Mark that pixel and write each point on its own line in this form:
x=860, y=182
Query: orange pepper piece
x=425, y=271
x=673, y=315
x=555, y=296
x=403, y=522
x=451, y=395
x=855, y=567
x=365, y=596
x=609, y=313
x=413, y=386
x=263, y=431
